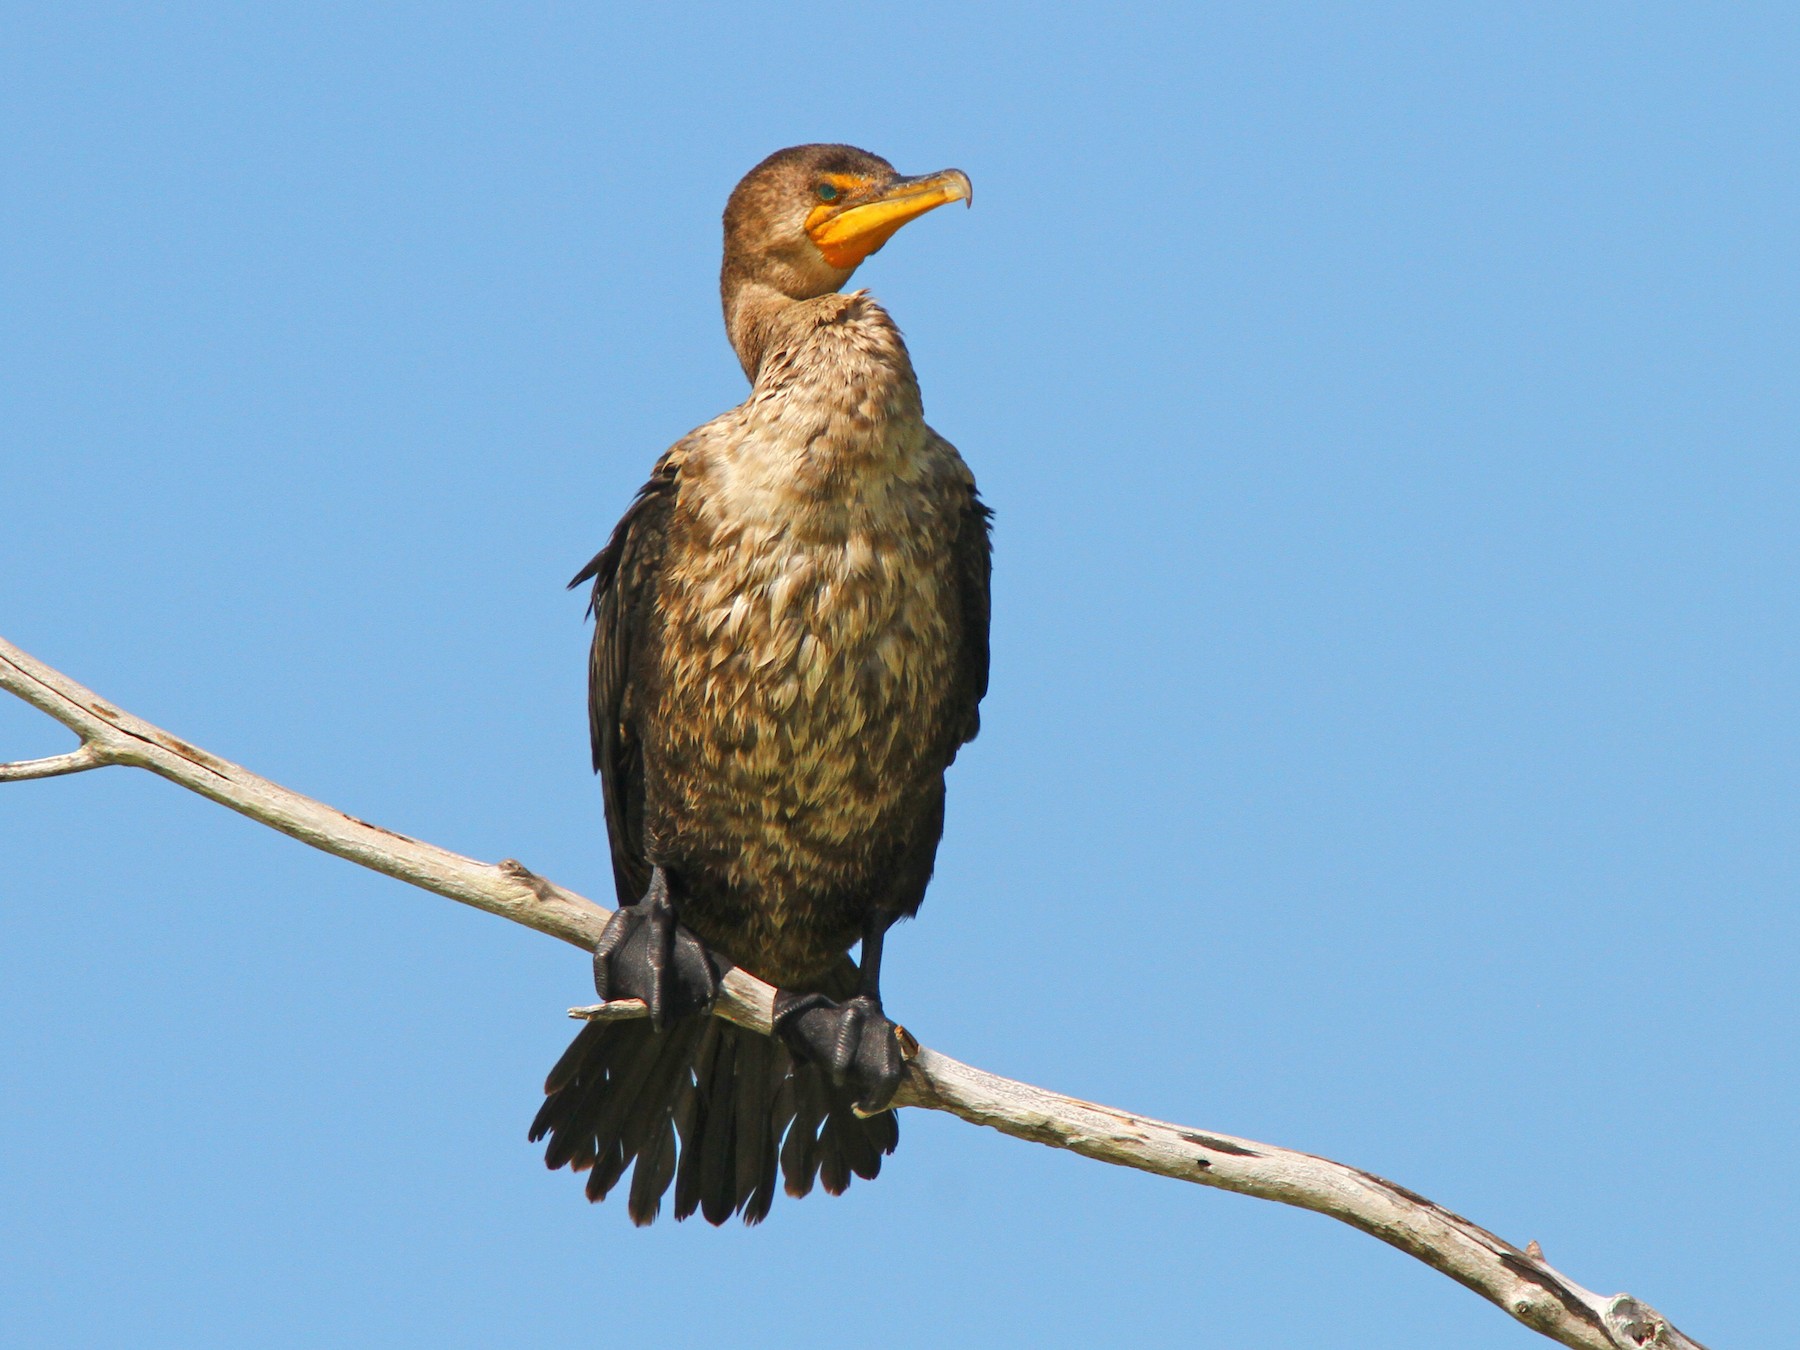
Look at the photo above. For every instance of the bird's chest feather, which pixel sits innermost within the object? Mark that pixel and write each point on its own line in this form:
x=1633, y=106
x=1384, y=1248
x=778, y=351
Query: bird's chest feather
x=808, y=629
x=797, y=651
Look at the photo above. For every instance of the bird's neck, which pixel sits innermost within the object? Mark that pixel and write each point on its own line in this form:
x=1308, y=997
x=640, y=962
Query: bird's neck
x=765, y=322
x=754, y=312
x=833, y=423
x=836, y=354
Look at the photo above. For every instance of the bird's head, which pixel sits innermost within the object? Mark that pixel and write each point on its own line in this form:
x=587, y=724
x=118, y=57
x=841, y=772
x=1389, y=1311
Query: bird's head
x=801, y=221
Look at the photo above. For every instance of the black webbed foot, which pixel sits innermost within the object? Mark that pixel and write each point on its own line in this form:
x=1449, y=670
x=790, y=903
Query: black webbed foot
x=644, y=953
x=852, y=1041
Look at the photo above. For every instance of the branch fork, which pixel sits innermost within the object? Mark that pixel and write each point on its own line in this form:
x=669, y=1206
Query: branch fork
x=1517, y=1280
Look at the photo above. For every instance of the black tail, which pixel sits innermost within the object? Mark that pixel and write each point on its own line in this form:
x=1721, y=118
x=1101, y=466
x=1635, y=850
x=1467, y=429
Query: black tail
x=709, y=1106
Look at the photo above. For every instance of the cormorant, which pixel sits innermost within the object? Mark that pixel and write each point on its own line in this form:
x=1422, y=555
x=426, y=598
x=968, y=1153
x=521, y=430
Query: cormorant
x=790, y=644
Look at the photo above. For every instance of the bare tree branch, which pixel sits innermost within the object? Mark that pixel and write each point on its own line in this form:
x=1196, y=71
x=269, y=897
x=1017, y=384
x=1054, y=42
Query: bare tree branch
x=82, y=757
x=1519, y=1281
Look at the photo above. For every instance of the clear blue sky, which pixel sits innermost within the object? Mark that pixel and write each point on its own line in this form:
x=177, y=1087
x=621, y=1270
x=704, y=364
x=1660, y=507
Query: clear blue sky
x=1390, y=416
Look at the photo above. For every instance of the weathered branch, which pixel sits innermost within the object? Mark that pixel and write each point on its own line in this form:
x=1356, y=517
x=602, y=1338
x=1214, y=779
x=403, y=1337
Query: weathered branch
x=84, y=756
x=1517, y=1280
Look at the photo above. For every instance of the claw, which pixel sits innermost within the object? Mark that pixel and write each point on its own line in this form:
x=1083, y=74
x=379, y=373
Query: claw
x=852, y=1041
x=645, y=953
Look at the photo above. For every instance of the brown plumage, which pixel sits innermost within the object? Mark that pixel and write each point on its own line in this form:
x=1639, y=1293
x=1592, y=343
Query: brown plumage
x=790, y=645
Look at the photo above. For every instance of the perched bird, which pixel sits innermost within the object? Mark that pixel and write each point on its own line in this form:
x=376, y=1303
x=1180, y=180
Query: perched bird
x=790, y=644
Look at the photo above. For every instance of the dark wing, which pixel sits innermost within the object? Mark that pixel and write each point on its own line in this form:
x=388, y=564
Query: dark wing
x=974, y=566
x=624, y=574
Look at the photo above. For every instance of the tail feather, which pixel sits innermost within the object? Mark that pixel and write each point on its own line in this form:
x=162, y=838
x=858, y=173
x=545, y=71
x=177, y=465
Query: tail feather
x=850, y=1139
x=650, y=1131
x=609, y=1166
x=718, y=1101
x=686, y=1115
x=655, y=1170
x=706, y=1106
x=621, y=1106
x=755, y=1099
x=585, y=1045
x=800, y=1155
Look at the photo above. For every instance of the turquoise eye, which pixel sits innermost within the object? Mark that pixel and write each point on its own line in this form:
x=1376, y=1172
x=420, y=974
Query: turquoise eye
x=827, y=193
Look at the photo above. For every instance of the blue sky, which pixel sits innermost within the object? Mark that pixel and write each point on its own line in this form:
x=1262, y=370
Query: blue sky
x=1389, y=413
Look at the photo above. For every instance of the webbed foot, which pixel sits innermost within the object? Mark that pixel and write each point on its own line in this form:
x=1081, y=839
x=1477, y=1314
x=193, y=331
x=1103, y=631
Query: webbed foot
x=644, y=953
x=853, y=1041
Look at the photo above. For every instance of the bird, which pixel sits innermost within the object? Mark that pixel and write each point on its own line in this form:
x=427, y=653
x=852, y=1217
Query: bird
x=790, y=646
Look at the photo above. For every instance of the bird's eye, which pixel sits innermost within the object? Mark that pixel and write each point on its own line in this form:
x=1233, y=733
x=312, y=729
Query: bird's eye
x=826, y=192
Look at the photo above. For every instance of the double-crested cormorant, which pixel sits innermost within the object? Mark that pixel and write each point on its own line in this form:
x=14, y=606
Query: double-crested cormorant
x=791, y=641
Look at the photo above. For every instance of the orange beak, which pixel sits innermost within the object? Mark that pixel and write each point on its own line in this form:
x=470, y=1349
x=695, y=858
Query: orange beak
x=848, y=232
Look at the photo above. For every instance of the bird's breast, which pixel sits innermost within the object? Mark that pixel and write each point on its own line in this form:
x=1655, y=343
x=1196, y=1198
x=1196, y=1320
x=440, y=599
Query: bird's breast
x=809, y=628
x=802, y=648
